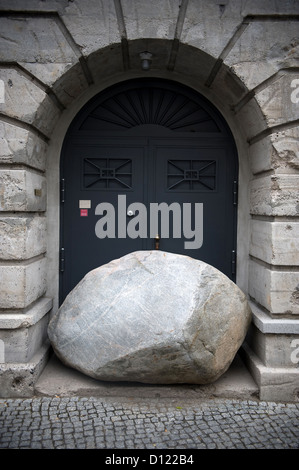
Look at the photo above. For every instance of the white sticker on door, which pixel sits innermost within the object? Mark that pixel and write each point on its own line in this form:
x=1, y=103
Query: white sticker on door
x=84, y=204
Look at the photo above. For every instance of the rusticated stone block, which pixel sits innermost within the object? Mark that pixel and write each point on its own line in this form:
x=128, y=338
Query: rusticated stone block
x=277, y=291
x=27, y=102
x=151, y=20
x=22, y=284
x=276, y=100
x=275, y=243
x=264, y=48
x=34, y=39
x=87, y=19
x=277, y=152
x=70, y=85
x=18, y=191
x=275, y=195
x=22, y=237
x=273, y=350
x=18, y=379
x=286, y=151
x=21, y=344
x=21, y=146
x=23, y=334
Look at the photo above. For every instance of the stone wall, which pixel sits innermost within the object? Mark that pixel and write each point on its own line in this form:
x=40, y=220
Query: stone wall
x=243, y=56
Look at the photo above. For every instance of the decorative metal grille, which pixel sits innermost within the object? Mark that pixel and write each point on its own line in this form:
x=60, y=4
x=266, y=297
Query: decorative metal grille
x=107, y=173
x=191, y=175
x=150, y=105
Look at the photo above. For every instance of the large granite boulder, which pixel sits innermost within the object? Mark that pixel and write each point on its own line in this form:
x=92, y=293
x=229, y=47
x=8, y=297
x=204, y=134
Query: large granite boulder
x=152, y=317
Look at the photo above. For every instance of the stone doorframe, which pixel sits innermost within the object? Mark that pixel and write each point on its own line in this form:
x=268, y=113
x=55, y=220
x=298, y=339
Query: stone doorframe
x=34, y=120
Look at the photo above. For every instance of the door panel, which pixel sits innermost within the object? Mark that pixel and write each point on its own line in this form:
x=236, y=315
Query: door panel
x=95, y=174
x=151, y=171
x=198, y=173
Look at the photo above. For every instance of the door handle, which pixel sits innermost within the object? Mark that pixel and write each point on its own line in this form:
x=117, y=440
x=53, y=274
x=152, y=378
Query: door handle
x=157, y=242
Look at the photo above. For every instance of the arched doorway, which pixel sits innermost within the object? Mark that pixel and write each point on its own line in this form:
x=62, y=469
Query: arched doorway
x=140, y=153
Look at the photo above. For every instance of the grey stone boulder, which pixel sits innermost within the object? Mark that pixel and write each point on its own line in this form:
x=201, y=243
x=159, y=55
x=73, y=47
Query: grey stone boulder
x=151, y=317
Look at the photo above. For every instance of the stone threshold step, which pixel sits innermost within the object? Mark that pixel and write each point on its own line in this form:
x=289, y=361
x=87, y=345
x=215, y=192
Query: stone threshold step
x=59, y=380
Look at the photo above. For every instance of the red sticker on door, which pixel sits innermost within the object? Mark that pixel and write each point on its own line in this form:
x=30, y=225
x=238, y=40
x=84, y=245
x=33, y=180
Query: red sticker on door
x=83, y=212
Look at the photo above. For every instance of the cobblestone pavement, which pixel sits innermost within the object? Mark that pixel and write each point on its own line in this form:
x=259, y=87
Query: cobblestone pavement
x=110, y=423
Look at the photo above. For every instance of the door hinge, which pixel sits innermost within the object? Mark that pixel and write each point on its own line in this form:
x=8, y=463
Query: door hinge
x=235, y=193
x=62, y=260
x=62, y=190
x=234, y=259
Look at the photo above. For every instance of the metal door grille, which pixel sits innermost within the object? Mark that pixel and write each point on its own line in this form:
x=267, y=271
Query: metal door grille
x=191, y=175
x=107, y=173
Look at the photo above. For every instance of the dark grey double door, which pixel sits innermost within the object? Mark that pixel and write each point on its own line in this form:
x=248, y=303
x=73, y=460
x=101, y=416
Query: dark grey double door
x=114, y=173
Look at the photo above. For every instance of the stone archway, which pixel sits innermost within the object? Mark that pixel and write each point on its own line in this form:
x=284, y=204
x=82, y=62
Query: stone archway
x=234, y=91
